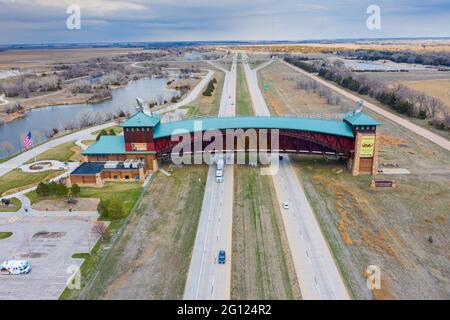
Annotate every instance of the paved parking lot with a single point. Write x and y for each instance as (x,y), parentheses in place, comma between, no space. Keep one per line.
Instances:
(47,241)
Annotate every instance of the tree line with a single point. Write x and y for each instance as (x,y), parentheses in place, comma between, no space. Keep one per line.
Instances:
(426,58)
(397,96)
(210,87)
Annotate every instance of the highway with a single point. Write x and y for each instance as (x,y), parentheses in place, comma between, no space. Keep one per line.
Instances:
(427,134)
(208,280)
(316,270)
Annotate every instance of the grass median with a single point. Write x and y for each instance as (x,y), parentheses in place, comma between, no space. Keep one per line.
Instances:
(262,266)
(244,105)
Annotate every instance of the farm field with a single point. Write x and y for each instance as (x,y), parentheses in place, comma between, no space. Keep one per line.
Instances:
(388,228)
(388,45)
(438,88)
(413,75)
(28,58)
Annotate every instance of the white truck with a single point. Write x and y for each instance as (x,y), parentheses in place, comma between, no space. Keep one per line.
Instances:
(219,169)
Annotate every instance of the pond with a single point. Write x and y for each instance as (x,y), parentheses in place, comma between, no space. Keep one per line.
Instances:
(41,120)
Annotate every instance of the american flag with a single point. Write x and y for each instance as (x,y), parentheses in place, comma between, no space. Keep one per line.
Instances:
(28,141)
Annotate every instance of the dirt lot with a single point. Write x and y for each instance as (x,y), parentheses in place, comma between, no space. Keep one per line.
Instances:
(151,260)
(62,205)
(284,98)
(262,263)
(388,228)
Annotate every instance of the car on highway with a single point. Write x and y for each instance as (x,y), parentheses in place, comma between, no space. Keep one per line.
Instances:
(221,259)
(15,267)
(285,205)
(219,179)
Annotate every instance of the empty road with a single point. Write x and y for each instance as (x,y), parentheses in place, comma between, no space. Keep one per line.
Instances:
(208,280)
(316,270)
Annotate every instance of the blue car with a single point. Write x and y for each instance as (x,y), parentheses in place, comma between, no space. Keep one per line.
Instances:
(221,259)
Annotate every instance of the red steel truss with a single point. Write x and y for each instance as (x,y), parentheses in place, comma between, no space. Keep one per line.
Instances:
(290,141)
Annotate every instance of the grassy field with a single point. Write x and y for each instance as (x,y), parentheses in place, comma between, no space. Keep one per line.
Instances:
(243,102)
(127,193)
(388,228)
(68,151)
(13,207)
(16,180)
(262,263)
(5,235)
(152,257)
(207,106)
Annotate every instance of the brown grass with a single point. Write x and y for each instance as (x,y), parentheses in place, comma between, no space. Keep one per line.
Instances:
(438,88)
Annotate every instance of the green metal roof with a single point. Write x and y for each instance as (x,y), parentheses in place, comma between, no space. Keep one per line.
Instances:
(333,127)
(360,119)
(141,119)
(116,144)
(107,145)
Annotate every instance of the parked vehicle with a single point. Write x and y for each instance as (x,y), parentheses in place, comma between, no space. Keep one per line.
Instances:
(285,205)
(221,259)
(15,267)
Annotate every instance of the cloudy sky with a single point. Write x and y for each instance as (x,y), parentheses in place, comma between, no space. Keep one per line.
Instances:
(44,21)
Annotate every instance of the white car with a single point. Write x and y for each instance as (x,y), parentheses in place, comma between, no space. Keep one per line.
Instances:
(285,205)
(15,267)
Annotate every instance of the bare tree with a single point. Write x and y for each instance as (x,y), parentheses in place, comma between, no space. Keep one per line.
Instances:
(85,118)
(101,229)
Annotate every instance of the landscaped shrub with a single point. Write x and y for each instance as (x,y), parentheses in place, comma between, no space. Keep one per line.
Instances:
(52,189)
(111,209)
